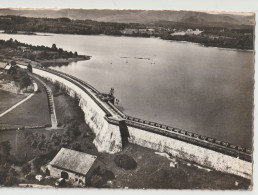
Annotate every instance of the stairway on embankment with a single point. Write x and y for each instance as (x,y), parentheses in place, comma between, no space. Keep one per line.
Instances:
(51,104)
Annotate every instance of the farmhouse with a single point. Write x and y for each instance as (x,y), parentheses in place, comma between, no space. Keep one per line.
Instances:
(71,165)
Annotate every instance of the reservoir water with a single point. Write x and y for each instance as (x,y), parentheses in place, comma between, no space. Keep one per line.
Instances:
(199,89)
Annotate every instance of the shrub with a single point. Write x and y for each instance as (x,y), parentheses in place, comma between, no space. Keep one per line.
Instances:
(126,162)
(26,168)
(30,176)
(101,176)
(10,178)
(76,146)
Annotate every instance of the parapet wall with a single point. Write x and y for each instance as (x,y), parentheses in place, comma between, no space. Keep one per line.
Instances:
(105,120)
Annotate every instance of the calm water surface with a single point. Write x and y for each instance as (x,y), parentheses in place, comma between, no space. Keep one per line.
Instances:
(204,90)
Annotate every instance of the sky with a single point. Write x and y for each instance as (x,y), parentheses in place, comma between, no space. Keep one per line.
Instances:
(226,5)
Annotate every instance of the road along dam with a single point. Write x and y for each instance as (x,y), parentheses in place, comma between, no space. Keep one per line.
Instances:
(113,129)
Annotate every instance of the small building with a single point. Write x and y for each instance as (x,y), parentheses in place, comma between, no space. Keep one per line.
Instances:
(24,49)
(142,30)
(150,31)
(71,165)
(130,31)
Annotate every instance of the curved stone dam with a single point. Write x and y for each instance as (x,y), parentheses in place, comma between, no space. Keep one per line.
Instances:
(113,129)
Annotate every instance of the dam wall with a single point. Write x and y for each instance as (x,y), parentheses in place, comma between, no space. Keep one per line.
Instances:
(113,129)
(93,112)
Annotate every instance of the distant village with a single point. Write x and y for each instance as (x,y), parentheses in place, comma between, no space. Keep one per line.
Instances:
(152,31)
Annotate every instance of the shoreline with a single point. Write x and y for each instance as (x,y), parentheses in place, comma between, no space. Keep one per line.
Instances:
(41,56)
(200,44)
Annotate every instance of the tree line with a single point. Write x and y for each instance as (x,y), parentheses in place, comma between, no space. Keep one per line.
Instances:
(240,37)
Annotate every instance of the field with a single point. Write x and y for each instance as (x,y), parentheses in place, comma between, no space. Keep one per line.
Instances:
(8,99)
(32,112)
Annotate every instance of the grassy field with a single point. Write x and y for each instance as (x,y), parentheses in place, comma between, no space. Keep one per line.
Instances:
(32,112)
(8,99)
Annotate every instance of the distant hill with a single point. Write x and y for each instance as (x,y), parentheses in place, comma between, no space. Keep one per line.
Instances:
(139,16)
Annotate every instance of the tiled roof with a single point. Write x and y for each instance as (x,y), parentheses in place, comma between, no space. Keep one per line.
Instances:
(73,161)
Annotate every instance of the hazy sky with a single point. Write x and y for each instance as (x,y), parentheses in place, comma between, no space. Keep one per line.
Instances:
(233,5)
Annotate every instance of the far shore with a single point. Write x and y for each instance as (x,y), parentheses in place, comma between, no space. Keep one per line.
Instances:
(171,40)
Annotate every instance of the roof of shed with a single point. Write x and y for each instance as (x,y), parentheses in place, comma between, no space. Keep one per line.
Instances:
(73,161)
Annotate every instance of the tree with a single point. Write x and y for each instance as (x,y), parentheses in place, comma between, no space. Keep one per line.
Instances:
(12,71)
(29,68)
(11,179)
(25,82)
(31,57)
(26,168)
(13,63)
(124,161)
(76,146)
(40,145)
(54,47)
(5,156)
(3,173)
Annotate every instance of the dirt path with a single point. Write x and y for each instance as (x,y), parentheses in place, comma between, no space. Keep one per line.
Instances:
(22,101)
